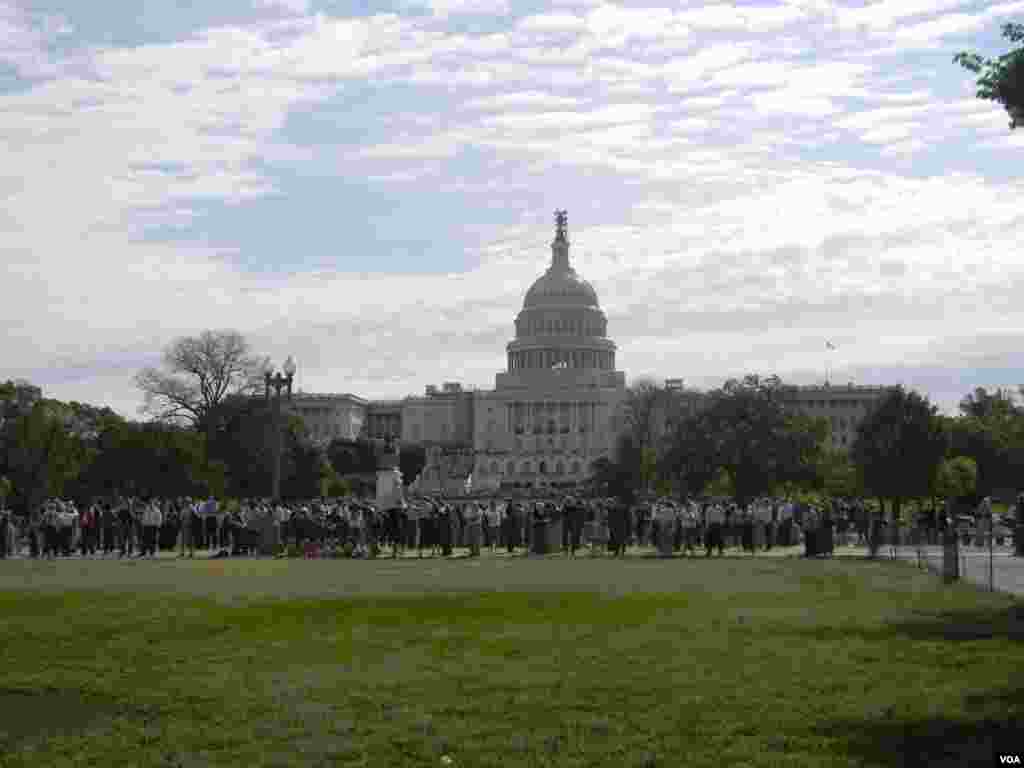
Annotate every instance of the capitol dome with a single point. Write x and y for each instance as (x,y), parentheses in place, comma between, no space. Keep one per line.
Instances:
(560,287)
(561,324)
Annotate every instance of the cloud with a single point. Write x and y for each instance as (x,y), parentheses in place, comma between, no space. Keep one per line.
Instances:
(724,190)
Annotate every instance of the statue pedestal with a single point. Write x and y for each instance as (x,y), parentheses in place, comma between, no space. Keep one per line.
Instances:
(389,487)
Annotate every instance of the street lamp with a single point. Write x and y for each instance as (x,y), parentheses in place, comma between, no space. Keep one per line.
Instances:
(278,382)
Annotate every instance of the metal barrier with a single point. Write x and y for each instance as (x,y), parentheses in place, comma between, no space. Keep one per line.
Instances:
(982,561)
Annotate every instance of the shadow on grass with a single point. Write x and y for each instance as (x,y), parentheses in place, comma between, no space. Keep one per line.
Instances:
(33,716)
(996,726)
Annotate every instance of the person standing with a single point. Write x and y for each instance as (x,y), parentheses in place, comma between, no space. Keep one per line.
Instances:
(509,525)
(444,529)
(472,528)
(715,536)
(5,538)
(88,523)
(152,518)
(188,520)
(494,517)
(747,533)
(575,514)
(126,527)
(620,526)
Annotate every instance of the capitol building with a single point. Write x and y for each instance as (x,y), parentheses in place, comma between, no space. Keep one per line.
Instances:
(554,410)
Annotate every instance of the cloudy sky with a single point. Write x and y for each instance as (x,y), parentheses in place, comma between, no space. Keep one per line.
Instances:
(370,187)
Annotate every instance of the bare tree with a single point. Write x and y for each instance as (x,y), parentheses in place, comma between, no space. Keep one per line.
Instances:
(199,373)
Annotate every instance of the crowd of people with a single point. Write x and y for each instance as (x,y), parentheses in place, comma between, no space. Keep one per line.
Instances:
(142,527)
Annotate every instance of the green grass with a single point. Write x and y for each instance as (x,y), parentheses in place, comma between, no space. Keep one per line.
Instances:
(503,663)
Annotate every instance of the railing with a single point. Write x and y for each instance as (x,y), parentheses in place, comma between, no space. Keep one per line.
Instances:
(979,557)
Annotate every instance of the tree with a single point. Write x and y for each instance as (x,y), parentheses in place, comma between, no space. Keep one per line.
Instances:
(688,459)
(199,373)
(990,430)
(899,446)
(619,476)
(956,477)
(1002,79)
(40,453)
(836,474)
(756,441)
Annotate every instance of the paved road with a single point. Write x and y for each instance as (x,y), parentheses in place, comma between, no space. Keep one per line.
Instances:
(1007,570)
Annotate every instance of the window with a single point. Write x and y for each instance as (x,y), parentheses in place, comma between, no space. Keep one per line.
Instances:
(575,467)
(494,467)
(559,468)
(542,467)
(527,468)
(510,468)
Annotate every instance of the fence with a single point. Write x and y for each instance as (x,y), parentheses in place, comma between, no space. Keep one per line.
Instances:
(980,557)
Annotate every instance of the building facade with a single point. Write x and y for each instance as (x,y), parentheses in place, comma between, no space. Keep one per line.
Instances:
(330,416)
(844,407)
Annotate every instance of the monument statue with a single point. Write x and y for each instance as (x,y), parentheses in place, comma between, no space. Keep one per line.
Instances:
(561,224)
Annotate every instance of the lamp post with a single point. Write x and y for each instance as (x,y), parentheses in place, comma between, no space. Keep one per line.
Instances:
(278,382)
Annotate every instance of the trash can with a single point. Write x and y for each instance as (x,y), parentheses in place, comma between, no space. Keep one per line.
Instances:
(665,531)
(826,541)
(810,542)
(540,538)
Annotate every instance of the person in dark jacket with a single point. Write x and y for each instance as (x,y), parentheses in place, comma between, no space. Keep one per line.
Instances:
(747,533)
(575,516)
(618,523)
(126,525)
(444,530)
(509,523)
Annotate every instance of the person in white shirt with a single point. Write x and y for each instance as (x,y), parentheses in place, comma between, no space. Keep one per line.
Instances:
(492,515)
(152,519)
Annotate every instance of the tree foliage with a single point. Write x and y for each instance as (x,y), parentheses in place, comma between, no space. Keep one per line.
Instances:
(756,440)
(956,477)
(899,446)
(198,374)
(1001,79)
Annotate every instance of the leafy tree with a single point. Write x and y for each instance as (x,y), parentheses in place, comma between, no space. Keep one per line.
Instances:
(837,474)
(689,459)
(956,477)
(1001,79)
(349,457)
(199,373)
(40,453)
(756,440)
(619,475)
(899,446)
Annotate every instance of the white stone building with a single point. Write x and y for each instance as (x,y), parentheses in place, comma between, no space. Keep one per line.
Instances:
(330,416)
(559,403)
(844,407)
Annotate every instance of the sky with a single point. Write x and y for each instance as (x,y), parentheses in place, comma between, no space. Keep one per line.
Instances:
(370,187)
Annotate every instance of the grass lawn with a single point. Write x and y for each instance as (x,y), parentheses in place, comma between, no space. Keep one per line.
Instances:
(503,662)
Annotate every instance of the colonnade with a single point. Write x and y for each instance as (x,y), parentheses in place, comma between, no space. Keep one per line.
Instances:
(570,358)
(553,417)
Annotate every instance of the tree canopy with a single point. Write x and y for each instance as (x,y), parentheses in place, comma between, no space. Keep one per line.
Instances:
(198,374)
(1001,79)
(899,446)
